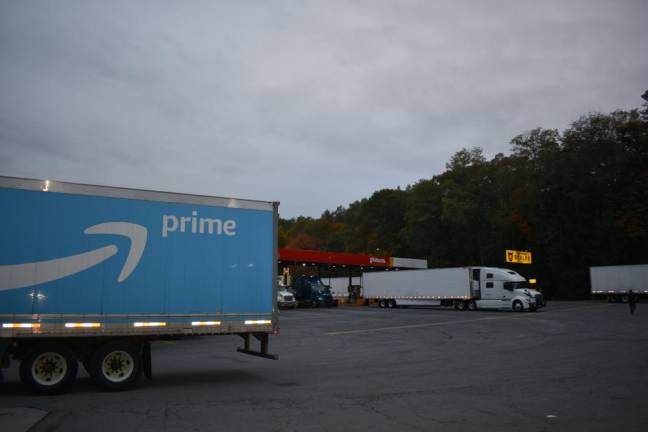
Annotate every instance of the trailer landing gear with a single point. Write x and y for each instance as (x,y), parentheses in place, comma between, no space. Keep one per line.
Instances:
(263,340)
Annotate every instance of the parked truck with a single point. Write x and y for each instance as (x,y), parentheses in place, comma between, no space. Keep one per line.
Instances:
(465,288)
(615,282)
(311,291)
(285,297)
(94,274)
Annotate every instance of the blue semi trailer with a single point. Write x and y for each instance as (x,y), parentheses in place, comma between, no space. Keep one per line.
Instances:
(94,274)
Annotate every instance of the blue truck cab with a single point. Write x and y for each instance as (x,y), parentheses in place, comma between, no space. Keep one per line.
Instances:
(311,291)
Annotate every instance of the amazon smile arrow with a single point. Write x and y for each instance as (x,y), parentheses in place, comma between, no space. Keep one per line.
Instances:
(23,275)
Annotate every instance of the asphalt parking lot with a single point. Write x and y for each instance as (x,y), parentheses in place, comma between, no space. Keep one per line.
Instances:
(572,366)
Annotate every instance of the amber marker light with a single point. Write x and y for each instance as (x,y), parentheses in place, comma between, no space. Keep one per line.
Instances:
(21,325)
(149,324)
(83,325)
(205,323)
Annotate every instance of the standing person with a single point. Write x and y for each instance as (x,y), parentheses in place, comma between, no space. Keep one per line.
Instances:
(632,301)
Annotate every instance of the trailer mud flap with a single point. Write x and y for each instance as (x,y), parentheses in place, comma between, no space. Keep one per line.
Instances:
(4,357)
(147,364)
(4,353)
(263,340)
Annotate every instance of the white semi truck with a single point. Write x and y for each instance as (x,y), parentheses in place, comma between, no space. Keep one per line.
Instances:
(465,288)
(615,282)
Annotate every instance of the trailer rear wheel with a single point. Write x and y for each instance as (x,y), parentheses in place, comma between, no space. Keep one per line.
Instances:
(48,368)
(116,365)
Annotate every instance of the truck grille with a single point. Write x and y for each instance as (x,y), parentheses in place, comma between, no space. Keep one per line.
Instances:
(288,298)
(539,300)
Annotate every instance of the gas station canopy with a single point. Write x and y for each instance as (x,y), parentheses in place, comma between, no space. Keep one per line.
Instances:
(347,259)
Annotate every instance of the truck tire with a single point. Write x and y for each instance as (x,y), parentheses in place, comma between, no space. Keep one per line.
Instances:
(381,303)
(391,303)
(116,365)
(462,305)
(518,306)
(472,306)
(48,368)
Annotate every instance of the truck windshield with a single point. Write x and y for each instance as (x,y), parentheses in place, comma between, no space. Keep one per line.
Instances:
(516,285)
(317,285)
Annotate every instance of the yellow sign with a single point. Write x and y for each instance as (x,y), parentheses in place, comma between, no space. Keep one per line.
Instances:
(519,257)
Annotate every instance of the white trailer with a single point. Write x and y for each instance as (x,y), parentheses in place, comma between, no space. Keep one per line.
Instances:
(615,282)
(340,285)
(465,288)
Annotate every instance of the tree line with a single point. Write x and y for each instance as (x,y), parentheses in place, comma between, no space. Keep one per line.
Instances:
(574,199)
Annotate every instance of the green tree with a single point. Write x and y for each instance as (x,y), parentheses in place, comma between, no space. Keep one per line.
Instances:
(575,199)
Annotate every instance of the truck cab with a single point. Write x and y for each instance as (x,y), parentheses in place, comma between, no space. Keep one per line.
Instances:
(498,288)
(285,296)
(311,291)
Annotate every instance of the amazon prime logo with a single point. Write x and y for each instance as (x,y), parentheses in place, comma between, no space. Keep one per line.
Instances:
(23,275)
(197,225)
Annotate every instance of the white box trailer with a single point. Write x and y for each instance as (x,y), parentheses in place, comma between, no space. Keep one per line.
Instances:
(615,282)
(340,285)
(466,288)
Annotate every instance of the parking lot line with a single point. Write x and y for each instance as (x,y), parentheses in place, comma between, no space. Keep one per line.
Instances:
(345,332)
(442,323)
(578,308)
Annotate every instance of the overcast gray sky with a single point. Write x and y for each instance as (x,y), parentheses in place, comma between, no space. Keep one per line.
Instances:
(312,103)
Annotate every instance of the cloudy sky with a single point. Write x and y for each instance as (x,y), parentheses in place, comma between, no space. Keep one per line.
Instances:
(312,103)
